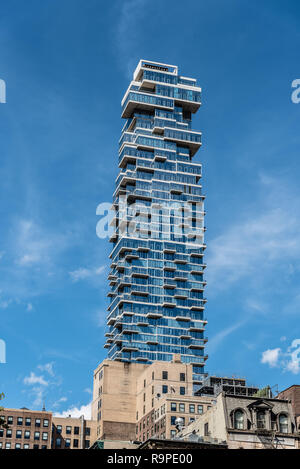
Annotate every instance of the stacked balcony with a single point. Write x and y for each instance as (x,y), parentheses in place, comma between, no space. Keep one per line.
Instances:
(156,298)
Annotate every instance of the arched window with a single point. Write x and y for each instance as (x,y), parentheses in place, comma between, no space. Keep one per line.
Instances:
(283,423)
(261,419)
(239,420)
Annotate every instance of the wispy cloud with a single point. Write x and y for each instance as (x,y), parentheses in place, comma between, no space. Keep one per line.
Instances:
(217,339)
(130,15)
(253,244)
(34,379)
(48,367)
(39,386)
(34,245)
(59,402)
(33,260)
(84,273)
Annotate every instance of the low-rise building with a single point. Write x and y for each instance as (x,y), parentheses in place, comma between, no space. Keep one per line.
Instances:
(246,422)
(134,401)
(32,429)
(292,394)
(73,433)
(26,429)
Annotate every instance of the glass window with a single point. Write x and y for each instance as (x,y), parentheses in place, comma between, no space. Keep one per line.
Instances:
(173,419)
(8,433)
(182,376)
(87,444)
(37,422)
(182,390)
(165,389)
(164,375)
(58,442)
(18,446)
(67,443)
(76,430)
(173,406)
(26,446)
(28,421)
(192,408)
(46,423)
(10,420)
(36,435)
(75,443)
(27,434)
(261,419)
(19,434)
(181,407)
(239,420)
(20,421)
(58,428)
(200,409)
(7,445)
(36,447)
(283,423)
(45,436)
(206,431)
(68,430)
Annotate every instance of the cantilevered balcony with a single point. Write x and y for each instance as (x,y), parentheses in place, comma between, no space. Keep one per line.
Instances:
(136,100)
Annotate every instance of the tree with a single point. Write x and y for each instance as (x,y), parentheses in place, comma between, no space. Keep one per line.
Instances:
(3,423)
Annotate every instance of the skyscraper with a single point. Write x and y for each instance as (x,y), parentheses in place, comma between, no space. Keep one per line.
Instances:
(156,276)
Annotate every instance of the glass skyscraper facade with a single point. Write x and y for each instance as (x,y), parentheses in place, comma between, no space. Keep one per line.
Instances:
(156,280)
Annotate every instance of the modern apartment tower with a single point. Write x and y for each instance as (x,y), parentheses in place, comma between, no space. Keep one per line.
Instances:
(156,298)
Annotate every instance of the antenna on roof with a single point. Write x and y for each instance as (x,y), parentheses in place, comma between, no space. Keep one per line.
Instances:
(44,408)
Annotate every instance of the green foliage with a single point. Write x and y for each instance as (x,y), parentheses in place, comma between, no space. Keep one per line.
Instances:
(264,392)
(3,423)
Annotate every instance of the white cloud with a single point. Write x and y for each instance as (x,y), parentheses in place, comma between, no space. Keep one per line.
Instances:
(29,307)
(48,367)
(60,401)
(76,412)
(34,379)
(88,390)
(83,273)
(293,362)
(271,357)
(287,361)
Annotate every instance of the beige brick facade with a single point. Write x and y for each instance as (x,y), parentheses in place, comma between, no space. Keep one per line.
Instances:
(133,401)
(27,429)
(73,433)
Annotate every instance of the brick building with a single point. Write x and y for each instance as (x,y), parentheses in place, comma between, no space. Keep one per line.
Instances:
(73,433)
(292,394)
(27,429)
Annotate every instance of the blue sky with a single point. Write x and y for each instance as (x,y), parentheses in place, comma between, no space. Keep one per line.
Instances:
(66,65)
